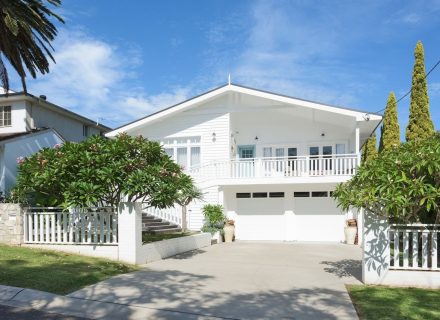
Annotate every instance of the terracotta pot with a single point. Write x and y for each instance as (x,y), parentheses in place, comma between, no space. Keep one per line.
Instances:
(229,232)
(350,234)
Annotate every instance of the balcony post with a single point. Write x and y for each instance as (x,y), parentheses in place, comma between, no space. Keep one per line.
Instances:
(258,167)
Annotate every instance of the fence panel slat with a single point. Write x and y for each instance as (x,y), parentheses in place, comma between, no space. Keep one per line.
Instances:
(415,250)
(424,250)
(405,248)
(41,228)
(434,242)
(396,249)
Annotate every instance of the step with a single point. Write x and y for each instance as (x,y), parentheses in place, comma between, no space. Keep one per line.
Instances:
(168,230)
(154,228)
(152,220)
(153,224)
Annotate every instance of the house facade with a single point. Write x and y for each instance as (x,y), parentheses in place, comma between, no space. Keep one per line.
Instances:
(271,160)
(29,123)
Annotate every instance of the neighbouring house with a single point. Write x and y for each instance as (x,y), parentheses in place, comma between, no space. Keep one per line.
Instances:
(271,160)
(29,123)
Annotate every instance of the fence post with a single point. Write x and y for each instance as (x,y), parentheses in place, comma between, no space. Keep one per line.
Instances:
(130,232)
(376,248)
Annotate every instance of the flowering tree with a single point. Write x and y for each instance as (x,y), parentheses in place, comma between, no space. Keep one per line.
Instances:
(402,184)
(99,171)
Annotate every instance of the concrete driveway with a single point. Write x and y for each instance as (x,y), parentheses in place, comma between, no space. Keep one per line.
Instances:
(241,280)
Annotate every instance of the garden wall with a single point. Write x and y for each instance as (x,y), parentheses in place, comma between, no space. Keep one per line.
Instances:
(11,223)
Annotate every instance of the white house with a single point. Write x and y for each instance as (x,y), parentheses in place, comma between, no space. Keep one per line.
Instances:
(271,160)
(29,123)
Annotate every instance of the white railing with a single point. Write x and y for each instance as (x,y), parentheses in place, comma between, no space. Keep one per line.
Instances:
(85,226)
(172,214)
(414,247)
(301,166)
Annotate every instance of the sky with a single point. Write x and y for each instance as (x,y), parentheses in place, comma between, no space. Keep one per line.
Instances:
(117,61)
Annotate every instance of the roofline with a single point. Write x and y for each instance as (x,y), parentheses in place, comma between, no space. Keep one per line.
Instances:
(242,87)
(30,134)
(53,105)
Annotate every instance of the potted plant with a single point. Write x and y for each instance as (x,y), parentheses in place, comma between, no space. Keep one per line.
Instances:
(229,230)
(350,231)
(214,221)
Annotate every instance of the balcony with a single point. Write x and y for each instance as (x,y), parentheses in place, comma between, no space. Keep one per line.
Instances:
(285,167)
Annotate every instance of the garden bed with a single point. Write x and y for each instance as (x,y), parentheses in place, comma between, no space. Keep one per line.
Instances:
(148,237)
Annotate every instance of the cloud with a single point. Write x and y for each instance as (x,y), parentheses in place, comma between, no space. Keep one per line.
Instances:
(95,79)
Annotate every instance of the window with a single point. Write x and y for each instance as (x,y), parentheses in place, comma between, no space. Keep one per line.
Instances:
(276,194)
(259,195)
(85,130)
(246,152)
(301,194)
(279,152)
(242,195)
(292,152)
(319,194)
(267,152)
(5,116)
(185,151)
(331,193)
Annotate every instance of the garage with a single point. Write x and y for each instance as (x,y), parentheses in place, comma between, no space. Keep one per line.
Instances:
(260,216)
(287,216)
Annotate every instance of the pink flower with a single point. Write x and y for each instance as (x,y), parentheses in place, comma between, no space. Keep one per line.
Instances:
(20,160)
(58,145)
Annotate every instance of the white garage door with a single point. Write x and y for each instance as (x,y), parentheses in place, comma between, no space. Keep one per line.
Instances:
(260,219)
(318,219)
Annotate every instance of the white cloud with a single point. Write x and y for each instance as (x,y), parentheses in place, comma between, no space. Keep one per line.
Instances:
(94,78)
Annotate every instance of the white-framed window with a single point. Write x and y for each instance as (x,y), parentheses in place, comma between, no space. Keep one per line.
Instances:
(85,130)
(185,151)
(5,116)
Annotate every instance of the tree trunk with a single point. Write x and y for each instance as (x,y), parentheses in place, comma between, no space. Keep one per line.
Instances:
(184,223)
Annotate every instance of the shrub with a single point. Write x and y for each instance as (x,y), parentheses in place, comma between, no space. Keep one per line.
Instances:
(214,218)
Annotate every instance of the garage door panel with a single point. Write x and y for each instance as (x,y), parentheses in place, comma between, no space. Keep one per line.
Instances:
(318,219)
(260,219)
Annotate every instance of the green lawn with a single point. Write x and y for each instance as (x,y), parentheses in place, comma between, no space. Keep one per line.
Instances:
(52,271)
(377,302)
(148,237)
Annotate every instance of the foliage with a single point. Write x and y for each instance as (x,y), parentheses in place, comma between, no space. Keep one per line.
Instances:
(390,133)
(55,272)
(369,150)
(376,302)
(214,218)
(148,237)
(26,34)
(99,171)
(420,125)
(402,184)
(185,195)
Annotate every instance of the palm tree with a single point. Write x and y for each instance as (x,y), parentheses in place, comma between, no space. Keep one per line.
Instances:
(188,193)
(26,32)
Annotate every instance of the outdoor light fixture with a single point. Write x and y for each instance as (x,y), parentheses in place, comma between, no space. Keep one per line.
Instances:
(323,134)
(213,137)
(256,137)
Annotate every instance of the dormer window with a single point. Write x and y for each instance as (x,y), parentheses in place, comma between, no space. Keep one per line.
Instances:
(5,116)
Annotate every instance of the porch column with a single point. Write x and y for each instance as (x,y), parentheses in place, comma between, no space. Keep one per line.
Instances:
(357,139)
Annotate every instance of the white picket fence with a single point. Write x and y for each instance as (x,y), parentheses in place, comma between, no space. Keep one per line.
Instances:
(414,247)
(85,226)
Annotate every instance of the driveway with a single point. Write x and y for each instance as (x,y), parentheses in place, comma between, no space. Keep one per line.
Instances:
(241,280)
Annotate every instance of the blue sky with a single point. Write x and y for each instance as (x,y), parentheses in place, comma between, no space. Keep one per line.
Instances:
(120,60)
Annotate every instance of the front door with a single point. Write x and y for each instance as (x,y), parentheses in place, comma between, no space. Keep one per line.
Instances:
(245,166)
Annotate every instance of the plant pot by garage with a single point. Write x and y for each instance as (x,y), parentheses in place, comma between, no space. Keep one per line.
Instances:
(217,236)
(350,234)
(229,230)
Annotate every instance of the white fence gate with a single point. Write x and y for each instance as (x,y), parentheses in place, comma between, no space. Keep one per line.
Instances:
(85,226)
(414,247)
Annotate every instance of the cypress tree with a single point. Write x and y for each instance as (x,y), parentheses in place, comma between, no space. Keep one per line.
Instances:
(390,131)
(369,150)
(420,125)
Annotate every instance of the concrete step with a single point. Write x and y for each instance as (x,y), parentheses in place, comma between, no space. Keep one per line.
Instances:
(169,226)
(152,220)
(153,224)
(167,230)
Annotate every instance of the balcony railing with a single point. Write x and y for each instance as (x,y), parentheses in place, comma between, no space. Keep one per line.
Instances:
(301,166)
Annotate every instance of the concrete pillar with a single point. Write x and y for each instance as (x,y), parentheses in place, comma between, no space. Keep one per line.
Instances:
(376,248)
(130,232)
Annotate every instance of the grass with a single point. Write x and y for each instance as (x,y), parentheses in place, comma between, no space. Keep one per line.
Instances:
(52,271)
(378,302)
(148,237)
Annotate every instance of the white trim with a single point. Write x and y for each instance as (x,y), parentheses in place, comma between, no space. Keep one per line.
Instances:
(359,115)
(32,134)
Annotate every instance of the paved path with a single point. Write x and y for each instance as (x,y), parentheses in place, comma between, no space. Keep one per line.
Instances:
(242,280)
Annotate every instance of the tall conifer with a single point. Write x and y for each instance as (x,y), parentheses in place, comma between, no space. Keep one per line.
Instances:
(369,150)
(420,125)
(390,131)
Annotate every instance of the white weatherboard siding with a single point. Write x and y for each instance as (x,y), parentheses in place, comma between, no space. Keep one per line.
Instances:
(18,117)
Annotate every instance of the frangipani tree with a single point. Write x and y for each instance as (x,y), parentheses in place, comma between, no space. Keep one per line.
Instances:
(186,194)
(99,171)
(402,184)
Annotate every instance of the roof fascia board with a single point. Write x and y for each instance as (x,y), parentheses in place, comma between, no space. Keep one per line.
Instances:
(169,111)
(30,135)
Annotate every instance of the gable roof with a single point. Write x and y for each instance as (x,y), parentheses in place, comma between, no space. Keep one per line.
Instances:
(15,96)
(358,114)
(9,137)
